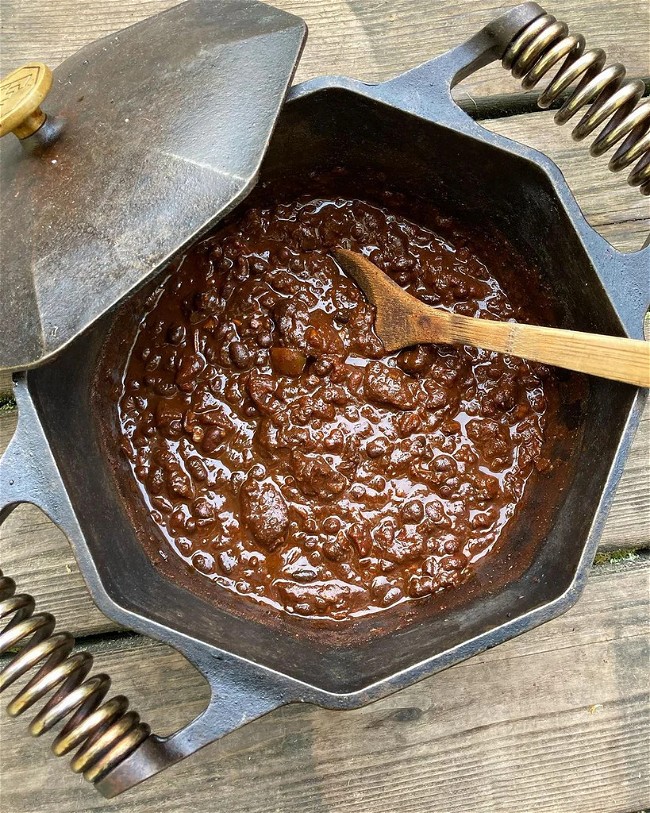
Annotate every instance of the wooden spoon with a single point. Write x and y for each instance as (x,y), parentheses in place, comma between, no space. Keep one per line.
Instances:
(402,320)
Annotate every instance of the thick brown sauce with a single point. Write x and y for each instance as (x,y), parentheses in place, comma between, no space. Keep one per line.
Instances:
(284,455)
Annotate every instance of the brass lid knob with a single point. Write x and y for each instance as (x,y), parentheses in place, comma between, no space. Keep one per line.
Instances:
(21,93)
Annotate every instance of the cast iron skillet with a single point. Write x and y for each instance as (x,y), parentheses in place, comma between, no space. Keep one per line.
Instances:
(411,128)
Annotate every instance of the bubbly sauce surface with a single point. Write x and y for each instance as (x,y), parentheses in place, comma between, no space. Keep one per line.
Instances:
(286,456)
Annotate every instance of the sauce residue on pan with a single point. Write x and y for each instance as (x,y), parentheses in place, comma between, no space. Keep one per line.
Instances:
(284,454)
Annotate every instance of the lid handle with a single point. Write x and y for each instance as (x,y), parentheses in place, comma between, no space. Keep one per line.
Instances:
(21,94)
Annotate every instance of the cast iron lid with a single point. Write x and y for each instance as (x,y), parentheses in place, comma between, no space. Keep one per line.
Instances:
(152,135)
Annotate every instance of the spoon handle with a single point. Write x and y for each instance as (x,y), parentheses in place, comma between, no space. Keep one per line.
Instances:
(611,357)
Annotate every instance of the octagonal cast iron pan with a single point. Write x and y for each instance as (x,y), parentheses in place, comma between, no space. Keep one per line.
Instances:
(251,667)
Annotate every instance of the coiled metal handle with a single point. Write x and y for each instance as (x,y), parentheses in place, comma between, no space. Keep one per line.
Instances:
(613,102)
(104,734)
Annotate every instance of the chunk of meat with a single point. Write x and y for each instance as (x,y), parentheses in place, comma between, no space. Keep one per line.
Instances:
(261,389)
(264,512)
(316,477)
(389,386)
(322,338)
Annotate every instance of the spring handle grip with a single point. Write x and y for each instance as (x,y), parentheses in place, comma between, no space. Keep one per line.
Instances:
(102,733)
(613,102)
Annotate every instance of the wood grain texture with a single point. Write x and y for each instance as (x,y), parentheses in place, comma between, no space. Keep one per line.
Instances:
(5,383)
(369,39)
(556,720)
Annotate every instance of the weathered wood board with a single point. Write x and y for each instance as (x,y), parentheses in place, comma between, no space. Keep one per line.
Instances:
(556,720)
(369,39)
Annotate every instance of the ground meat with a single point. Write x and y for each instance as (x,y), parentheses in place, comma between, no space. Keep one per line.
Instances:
(284,455)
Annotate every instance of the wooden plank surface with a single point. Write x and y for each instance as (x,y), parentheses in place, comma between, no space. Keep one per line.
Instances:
(556,720)
(369,39)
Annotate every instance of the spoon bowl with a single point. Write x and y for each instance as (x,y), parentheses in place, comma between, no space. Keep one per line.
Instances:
(401,320)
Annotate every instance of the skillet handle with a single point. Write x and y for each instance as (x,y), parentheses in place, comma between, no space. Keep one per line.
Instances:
(126,752)
(531,43)
(101,733)
(426,89)
(239,696)
(520,38)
